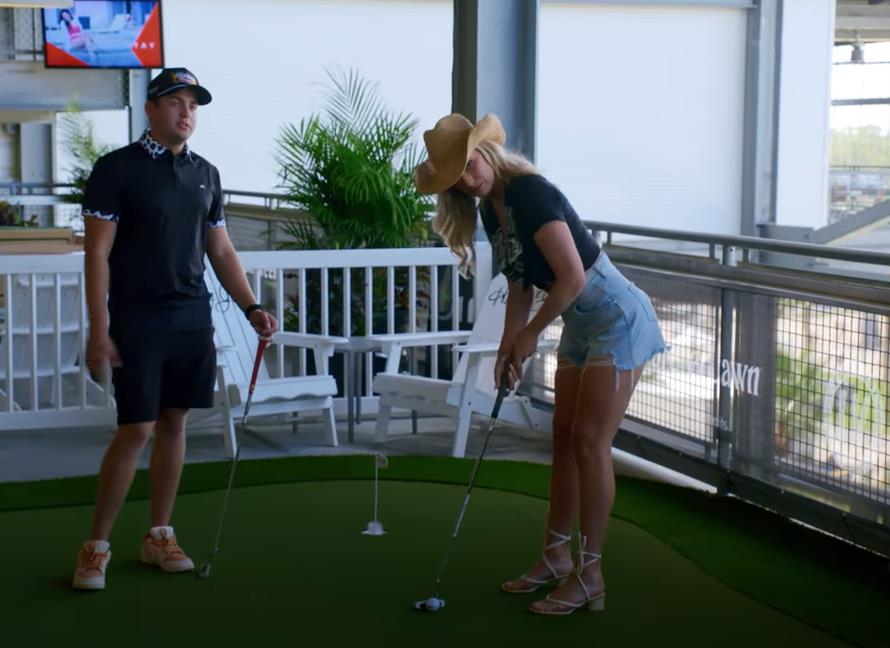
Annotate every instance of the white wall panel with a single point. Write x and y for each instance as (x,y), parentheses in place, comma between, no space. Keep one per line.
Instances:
(263,61)
(804,104)
(8,164)
(641,112)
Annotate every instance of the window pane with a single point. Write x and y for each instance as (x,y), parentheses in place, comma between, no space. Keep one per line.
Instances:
(869,79)
(641,112)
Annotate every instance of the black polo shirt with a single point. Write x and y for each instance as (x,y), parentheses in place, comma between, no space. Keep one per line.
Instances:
(163,205)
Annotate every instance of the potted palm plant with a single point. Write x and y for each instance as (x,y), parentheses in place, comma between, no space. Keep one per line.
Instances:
(349,170)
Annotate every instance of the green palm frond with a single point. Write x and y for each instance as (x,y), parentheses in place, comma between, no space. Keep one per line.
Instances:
(351,168)
(80,142)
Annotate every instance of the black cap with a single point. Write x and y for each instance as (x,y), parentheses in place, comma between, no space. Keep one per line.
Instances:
(173,79)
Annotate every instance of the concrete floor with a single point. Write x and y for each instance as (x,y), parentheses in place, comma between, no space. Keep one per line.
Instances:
(46,454)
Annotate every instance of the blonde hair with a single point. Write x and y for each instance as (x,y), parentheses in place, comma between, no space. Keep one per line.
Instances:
(456,211)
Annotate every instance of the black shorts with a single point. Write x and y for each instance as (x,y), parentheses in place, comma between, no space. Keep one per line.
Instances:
(159,370)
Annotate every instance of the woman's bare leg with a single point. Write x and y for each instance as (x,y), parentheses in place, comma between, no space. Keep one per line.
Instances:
(602,401)
(563,480)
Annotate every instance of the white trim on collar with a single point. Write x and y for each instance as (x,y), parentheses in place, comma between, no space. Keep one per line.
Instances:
(155,149)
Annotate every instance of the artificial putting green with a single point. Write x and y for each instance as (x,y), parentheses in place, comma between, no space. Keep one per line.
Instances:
(294,567)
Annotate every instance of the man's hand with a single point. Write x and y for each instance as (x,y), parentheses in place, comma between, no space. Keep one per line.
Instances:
(101,354)
(263,323)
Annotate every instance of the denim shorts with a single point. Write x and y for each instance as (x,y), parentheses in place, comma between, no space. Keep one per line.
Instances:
(610,317)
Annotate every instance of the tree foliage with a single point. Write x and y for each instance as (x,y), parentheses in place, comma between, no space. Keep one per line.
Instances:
(860,146)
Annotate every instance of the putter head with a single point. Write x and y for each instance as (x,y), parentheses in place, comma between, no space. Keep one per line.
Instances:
(204,572)
(432,604)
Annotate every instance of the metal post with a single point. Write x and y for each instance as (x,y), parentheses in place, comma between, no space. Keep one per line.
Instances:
(755,407)
(495,65)
(723,429)
(137,95)
(349,390)
(762,70)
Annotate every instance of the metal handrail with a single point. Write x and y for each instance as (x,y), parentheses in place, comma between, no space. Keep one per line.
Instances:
(726,240)
(255,194)
(746,242)
(18,188)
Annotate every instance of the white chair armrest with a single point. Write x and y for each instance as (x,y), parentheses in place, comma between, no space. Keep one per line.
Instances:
(288,338)
(419,339)
(489,348)
(323,346)
(482,348)
(391,345)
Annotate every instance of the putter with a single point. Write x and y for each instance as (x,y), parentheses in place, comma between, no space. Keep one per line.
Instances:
(435,603)
(204,571)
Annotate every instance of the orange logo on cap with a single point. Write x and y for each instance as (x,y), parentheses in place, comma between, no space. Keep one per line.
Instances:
(181,77)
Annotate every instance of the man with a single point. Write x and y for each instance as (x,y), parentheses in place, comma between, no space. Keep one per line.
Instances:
(151,211)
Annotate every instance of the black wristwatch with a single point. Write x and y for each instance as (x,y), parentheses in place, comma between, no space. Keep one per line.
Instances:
(250,309)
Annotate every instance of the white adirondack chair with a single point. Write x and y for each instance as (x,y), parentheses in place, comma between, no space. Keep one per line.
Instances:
(471,390)
(236,344)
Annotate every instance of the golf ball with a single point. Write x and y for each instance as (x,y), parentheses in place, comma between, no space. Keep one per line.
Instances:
(431,604)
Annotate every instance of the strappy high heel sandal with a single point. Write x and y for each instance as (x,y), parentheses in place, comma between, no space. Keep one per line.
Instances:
(596,602)
(536,583)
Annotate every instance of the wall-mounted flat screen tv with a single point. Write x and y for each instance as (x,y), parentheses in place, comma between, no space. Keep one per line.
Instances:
(104,34)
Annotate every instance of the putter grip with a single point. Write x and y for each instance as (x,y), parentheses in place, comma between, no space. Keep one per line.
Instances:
(502,392)
(256,364)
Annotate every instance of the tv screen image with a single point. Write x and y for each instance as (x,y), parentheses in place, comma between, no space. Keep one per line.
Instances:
(104,34)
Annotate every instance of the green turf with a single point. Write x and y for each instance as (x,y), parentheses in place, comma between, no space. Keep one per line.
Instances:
(310,538)
(289,585)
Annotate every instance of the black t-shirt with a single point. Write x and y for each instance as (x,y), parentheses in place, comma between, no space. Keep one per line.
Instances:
(532,202)
(163,205)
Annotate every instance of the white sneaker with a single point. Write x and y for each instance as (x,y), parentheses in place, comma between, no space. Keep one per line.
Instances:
(159,548)
(92,559)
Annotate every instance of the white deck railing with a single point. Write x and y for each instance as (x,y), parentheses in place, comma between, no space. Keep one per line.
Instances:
(43,329)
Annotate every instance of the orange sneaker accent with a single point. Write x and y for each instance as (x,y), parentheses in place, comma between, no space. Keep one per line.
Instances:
(159,547)
(91,565)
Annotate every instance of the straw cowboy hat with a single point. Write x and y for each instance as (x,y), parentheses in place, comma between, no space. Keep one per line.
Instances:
(449,146)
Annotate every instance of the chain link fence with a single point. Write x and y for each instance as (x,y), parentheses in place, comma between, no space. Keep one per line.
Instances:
(775,377)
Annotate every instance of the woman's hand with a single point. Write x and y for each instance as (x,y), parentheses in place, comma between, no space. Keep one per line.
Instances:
(525,344)
(511,358)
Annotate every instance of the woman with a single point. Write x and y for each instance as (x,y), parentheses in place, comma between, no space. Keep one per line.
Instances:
(77,36)
(610,331)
